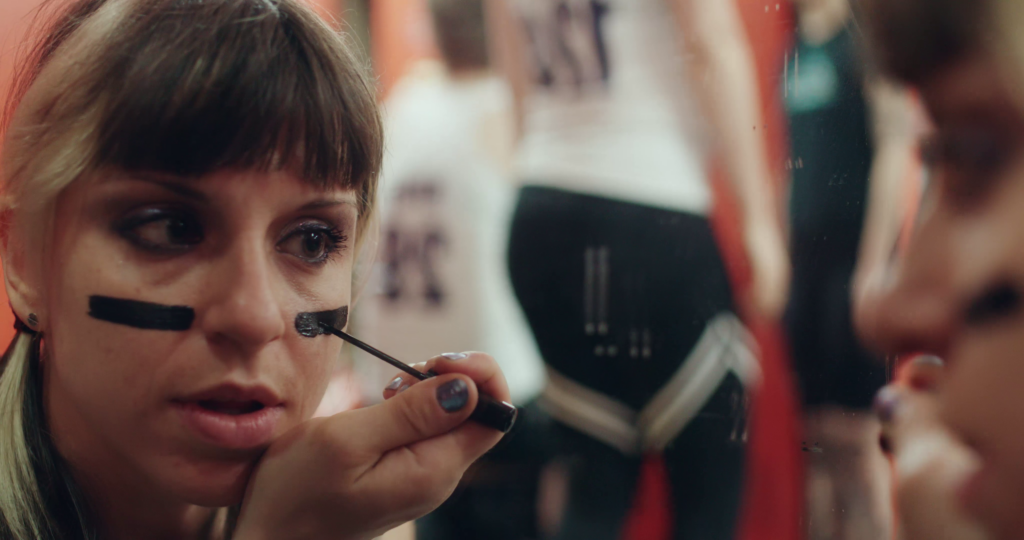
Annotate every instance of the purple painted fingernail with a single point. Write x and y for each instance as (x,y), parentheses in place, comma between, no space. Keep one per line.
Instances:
(394,384)
(887,401)
(403,388)
(453,395)
(455,356)
(928,360)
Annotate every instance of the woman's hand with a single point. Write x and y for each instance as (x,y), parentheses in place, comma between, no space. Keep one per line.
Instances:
(929,462)
(769,265)
(357,474)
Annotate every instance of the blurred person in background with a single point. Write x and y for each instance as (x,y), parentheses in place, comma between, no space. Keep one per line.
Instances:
(441,279)
(613,258)
(852,144)
(957,292)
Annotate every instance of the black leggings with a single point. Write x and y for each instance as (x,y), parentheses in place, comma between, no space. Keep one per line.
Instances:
(617,294)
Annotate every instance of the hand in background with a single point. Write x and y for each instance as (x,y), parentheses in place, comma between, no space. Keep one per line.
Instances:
(770,269)
(930,464)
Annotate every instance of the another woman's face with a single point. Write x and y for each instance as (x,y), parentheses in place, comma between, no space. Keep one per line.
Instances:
(188,412)
(959,290)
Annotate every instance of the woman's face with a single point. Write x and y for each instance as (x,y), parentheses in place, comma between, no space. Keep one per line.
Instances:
(187,413)
(959,290)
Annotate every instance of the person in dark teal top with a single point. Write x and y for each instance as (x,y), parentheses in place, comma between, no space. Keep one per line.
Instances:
(832,151)
(851,150)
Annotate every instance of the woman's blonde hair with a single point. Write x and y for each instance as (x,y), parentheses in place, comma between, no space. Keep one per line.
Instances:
(182,87)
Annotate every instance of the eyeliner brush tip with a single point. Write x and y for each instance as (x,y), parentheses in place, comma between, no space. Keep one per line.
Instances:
(307,325)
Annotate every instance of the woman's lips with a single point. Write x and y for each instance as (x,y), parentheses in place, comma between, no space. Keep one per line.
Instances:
(231,430)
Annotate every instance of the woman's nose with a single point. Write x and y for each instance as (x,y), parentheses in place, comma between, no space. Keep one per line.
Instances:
(243,310)
(915,309)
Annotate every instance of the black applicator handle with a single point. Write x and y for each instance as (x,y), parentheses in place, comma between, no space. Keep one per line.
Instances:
(499,415)
(489,412)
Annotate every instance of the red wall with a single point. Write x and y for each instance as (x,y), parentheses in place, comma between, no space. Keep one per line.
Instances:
(402,34)
(14,18)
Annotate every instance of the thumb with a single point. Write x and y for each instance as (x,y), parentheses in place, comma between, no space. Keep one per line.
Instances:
(427,409)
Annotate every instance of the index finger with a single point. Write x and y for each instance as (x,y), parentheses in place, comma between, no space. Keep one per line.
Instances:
(479,367)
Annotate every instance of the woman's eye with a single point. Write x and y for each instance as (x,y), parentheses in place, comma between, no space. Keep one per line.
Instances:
(969,161)
(158,229)
(313,243)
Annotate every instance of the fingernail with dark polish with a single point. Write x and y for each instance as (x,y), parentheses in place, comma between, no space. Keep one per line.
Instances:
(393,385)
(928,360)
(455,355)
(453,395)
(886,402)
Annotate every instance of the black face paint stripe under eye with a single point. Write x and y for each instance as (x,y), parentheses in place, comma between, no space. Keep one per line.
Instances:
(144,315)
(308,324)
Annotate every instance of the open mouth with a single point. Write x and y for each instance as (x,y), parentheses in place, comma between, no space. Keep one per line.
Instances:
(229,407)
(233,416)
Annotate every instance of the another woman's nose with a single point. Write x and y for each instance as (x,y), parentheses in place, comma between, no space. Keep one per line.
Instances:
(916,308)
(243,310)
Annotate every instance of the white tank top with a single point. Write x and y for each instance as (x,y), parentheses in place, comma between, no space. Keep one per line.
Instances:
(609,111)
(446,201)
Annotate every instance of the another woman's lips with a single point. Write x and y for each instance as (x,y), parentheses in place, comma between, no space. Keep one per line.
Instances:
(232,431)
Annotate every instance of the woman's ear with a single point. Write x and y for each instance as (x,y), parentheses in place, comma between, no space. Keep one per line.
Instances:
(21,278)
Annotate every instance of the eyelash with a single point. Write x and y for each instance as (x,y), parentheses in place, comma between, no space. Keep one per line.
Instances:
(337,240)
(129,226)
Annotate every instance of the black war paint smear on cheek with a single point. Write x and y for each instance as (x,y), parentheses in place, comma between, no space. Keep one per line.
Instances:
(144,315)
(309,323)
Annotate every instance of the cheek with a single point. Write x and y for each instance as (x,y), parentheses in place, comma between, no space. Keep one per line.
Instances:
(983,402)
(316,361)
(110,369)
(999,219)
(116,368)
(121,373)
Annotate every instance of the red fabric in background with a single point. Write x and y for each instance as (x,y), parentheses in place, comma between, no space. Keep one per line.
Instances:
(651,516)
(774,492)
(402,34)
(15,16)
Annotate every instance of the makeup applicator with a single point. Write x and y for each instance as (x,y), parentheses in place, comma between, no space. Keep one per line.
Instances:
(489,412)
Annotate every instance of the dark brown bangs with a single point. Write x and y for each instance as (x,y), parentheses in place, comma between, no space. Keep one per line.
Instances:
(912,39)
(57,28)
(193,86)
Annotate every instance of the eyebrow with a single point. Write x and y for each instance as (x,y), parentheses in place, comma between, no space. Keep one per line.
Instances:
(174,187)
(198,196)
(327,203)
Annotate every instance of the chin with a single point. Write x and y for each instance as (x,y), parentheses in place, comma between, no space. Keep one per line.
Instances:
(1012,525)
(999,513)
(210,484)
